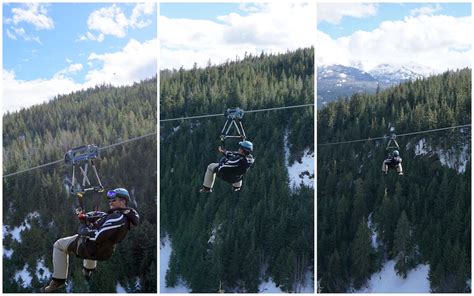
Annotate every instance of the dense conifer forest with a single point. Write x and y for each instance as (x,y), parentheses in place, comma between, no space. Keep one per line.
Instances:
(38,200)
(226,240)
(421,217)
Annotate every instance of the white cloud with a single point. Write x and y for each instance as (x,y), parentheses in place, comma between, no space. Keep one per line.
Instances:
(272,28)
(439,42)
(31,13)
(334,12)
(135,62)
(11,35)
(109,21)
(89,36)
(18,94)
(35,14)
(428,10)
(20,32)
(138,11)
(113,21)
(71,69)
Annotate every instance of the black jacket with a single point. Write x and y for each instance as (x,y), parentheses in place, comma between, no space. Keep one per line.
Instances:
(233,166)
(97,239)
(393,161)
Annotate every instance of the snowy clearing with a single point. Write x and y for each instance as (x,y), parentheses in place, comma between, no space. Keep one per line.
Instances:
(16,232)
(387,281)
(450,158)
(7,253)
(165,254)
(119,289)
(300,172)
(42,272)
(24,275)
(268,287)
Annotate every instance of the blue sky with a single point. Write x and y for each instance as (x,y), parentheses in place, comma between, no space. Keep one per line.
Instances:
(390,12)
(62,47)
(198,32)
(432,37)
(207,11)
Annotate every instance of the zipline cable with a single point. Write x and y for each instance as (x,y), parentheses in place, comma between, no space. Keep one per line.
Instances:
(400,135)
(61,160)
(249,111)
(153,133)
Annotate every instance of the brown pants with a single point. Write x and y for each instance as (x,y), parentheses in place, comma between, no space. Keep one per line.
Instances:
(61,258)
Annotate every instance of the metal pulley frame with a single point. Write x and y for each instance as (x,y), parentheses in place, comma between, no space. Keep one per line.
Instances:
(392,142)
(81,158)
(234,119)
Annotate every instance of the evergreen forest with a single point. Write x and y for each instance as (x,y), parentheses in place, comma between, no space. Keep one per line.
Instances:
(422,217)
(227,241)
(38,203)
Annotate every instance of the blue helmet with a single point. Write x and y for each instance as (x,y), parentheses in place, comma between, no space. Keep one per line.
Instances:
(247,146)
(118,192)
(396,153)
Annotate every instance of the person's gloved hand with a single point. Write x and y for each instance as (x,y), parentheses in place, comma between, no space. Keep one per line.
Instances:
(82,217)
(85,231)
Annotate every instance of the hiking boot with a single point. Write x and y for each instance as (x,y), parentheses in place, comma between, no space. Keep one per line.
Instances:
(87,273)
(205,189)
(236,189)
(54,285)
(400,174)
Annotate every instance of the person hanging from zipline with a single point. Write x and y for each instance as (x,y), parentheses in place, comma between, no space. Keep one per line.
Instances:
(231,168)
(394,161)
(97,235)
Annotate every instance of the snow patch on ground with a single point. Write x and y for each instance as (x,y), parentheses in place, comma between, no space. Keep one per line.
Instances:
(453,160)
(387,281)
(16,232)
(308,286)
(165,255)
(374,236)
(42,272)
(138,285)
(214,233)
(24,275)
(269,287)
(7,253)
(120,289)
(450,158)
(300,172)
(420,147)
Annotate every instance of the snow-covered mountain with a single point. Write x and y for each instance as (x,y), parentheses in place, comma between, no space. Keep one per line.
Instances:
(335,81)
(389,74)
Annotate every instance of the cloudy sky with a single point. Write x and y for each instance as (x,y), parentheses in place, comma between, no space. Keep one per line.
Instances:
(434,35)
(57,48)
(198,32)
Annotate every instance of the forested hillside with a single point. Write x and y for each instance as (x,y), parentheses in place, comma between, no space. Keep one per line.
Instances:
(226,240)
(37,209)
(421,217)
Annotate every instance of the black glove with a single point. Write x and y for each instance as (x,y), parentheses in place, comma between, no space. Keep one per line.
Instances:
(85,231)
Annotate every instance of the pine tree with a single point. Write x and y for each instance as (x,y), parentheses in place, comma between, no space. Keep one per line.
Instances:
(403,246)
(361,264)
